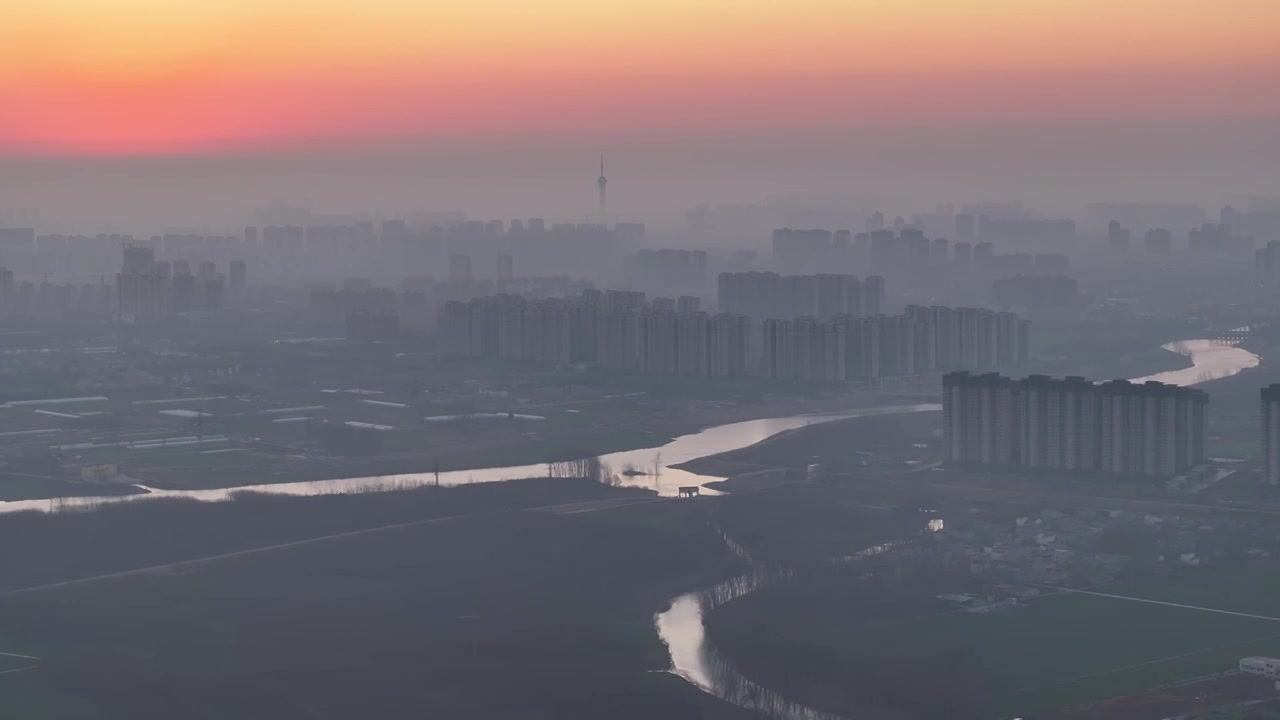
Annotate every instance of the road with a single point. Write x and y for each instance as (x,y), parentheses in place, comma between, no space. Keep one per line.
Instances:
(1042,498)
(574,508)
(1160,602)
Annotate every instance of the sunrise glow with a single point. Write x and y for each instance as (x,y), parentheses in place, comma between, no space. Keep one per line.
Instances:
(158,76)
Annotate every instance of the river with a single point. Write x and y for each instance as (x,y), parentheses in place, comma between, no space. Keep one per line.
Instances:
(713,440)
(681,627)
(1210,360)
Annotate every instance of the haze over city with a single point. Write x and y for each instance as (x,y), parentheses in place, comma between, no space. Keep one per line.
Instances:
(500,106)
(720,360)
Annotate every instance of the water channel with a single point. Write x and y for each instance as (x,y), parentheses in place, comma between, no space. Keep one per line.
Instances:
(696,660)
(1210,360)
(718,439)
(680,627)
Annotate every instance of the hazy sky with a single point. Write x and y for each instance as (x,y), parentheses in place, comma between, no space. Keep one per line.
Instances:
(757,95)
(129,76)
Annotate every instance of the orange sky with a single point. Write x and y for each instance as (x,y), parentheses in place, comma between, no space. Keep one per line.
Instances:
(163,76)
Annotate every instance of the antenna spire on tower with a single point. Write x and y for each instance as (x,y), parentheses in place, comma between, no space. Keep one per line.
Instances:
(602,182)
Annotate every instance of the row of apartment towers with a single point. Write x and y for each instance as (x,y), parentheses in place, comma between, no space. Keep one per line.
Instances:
(614,329)
(147,289)
(920,341)
(621,330)
(1116,427)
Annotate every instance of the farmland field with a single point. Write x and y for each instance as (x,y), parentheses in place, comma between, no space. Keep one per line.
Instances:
(1070,649)
(1059,650)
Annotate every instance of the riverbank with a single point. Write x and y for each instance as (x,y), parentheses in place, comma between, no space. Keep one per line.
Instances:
(858,443)
(553,606)
(17,487)
(665,481)
(1112,358)
(462,457)
(648,425)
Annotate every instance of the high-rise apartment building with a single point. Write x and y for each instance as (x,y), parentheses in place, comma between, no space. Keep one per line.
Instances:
(612,329)
(1271,435)
(1116,427)
(922,340)
(762,295)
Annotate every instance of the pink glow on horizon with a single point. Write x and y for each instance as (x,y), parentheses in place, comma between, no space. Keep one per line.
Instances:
(157,76)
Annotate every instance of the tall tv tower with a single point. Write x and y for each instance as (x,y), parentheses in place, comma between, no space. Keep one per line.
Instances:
(602,182)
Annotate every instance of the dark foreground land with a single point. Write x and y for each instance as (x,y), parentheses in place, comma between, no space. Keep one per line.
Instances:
(865,643)
(501,612)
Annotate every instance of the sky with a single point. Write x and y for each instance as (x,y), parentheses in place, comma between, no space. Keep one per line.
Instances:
(442,102)
(158,76)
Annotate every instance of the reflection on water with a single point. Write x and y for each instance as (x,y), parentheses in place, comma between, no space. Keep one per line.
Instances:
(1210,360)
(666,481)
(696,660)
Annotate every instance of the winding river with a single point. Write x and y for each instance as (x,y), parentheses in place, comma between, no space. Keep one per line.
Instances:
(696,660)
(680,627)
(1210,360)
(713,440)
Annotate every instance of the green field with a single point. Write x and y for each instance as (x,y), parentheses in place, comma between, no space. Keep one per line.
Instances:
(1068,649)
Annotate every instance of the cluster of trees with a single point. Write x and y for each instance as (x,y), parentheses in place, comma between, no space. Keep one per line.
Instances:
(590,468)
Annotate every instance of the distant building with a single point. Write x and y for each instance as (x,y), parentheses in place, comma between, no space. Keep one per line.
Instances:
(460,268)
(1218,238)
(1264,666)
(667,269)
(17,247)
(1117,236)
(1271,434)
(1266,263)
(1158,241)
(922,340)
(505,271)
(237,272)
(613,329)
(1028,231)
(1036,291)
(763,295)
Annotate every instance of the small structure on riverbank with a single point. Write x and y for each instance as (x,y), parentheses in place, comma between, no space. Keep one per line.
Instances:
(688,491)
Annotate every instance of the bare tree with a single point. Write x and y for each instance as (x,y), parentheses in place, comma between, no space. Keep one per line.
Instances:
(590,467)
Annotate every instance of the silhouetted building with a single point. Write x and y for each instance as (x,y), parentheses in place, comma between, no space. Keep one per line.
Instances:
(460,269)
(922,340)
(667,269)
(1117,236)
(1036,291)
(1266,263)
(614,329)
(505,271)
(1116,427)
(142,293)
(1026,231)
(965,228)
(237,274)
(762,295)
(1218,238)
(18,247)
(1271,434)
